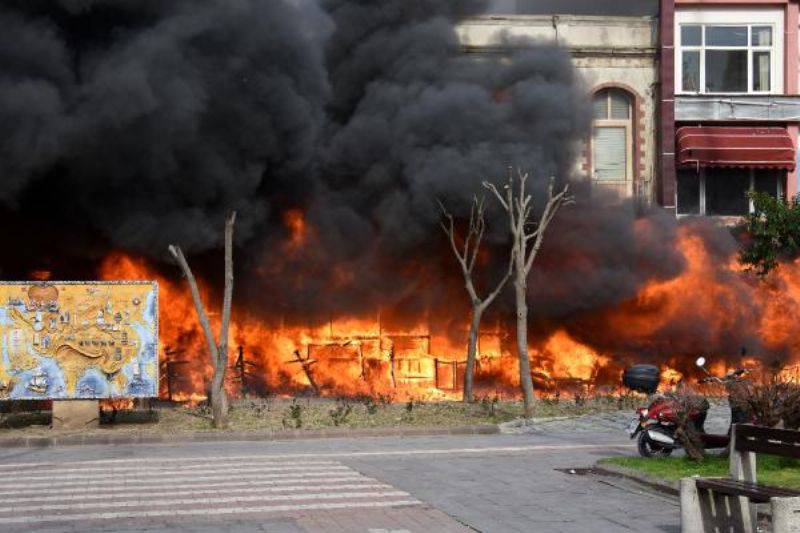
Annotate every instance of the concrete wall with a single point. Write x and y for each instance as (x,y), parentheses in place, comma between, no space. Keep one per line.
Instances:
(608,51)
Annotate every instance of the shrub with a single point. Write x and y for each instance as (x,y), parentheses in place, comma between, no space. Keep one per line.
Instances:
(489,406)
(687,405)
(773,232)
(340,413)
(762,403)
(790,412)
(370,405)
(295,413)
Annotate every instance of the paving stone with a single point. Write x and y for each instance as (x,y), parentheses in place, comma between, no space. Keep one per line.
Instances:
(493,483)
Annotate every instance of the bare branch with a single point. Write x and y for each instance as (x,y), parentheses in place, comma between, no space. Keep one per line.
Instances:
(450,231)
(477,228)
(491,187)
(227,292)
(177,253)
(554,204)
(471,248)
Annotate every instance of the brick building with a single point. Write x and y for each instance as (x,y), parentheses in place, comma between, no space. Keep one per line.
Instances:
(729,109)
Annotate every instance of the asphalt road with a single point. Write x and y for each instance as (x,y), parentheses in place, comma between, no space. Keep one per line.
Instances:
(496,483)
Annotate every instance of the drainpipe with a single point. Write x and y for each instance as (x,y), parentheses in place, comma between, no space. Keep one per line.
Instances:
(790,46)
(667,189)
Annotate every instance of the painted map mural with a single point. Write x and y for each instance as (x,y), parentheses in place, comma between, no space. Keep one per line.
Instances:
(71,340)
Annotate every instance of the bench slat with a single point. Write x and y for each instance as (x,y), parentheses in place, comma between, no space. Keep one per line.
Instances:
(780,442)
(755,492)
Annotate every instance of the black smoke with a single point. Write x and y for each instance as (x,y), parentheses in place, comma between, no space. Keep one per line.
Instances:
(133,124)
(413,119)
(136,124)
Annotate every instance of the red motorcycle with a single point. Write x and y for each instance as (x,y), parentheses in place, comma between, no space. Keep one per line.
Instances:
(655,425)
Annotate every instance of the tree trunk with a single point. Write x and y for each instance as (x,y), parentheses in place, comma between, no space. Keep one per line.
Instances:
(525,380)
(219,400)
(219,405)
(472,353)
(218,353)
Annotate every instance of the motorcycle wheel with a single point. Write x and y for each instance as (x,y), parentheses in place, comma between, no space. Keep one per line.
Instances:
(649,448)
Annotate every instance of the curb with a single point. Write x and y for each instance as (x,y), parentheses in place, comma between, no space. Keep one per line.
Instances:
(241,436)
(669,487)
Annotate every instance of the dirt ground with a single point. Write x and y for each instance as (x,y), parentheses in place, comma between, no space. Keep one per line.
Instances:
(276,414)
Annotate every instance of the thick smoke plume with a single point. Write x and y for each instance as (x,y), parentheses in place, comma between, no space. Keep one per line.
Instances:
(136,124)
(413,119)
(332,126)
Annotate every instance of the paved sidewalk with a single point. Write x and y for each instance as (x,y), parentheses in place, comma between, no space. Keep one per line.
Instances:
(616,422)
(299,495)
(494,483)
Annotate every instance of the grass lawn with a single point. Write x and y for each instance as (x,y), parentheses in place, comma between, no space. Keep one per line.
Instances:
(772,470)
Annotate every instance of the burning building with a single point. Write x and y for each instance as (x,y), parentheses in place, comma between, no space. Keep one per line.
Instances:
(332,127)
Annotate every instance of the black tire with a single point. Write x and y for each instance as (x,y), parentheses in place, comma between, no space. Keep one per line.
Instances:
(649,448)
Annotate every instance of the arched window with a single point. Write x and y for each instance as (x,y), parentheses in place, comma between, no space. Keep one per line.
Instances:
(612,136)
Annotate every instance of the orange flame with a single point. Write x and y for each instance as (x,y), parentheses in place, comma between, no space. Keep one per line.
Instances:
(361,355)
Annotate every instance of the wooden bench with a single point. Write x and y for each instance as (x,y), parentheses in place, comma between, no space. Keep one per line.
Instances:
(728,504)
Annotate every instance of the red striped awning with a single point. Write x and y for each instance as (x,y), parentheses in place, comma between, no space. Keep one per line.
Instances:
(718,146)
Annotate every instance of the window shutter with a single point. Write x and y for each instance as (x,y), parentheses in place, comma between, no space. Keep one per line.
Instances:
(600,106)
(620,106)
(609,153)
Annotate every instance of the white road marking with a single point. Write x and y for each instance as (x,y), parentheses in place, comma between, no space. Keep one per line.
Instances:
(139,481)
(248,490)
(227,485)
(208,511)
(205,501)
(167,472)
(166,489)
(335,455)
(146,467)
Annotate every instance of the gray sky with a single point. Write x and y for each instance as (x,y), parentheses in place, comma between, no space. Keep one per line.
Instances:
(574,7)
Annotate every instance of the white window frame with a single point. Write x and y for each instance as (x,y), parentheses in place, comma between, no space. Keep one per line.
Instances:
(627,125)
(701,184)
(727,17)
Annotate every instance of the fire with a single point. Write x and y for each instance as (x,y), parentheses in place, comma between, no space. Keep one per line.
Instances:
(670,377)
(572,359)
(295,223)
(718,311)
(117,404)
(40,275)
(670,322)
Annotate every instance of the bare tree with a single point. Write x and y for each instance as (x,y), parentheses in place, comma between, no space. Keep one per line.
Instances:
(218,351)
(527,237)
(466,255)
